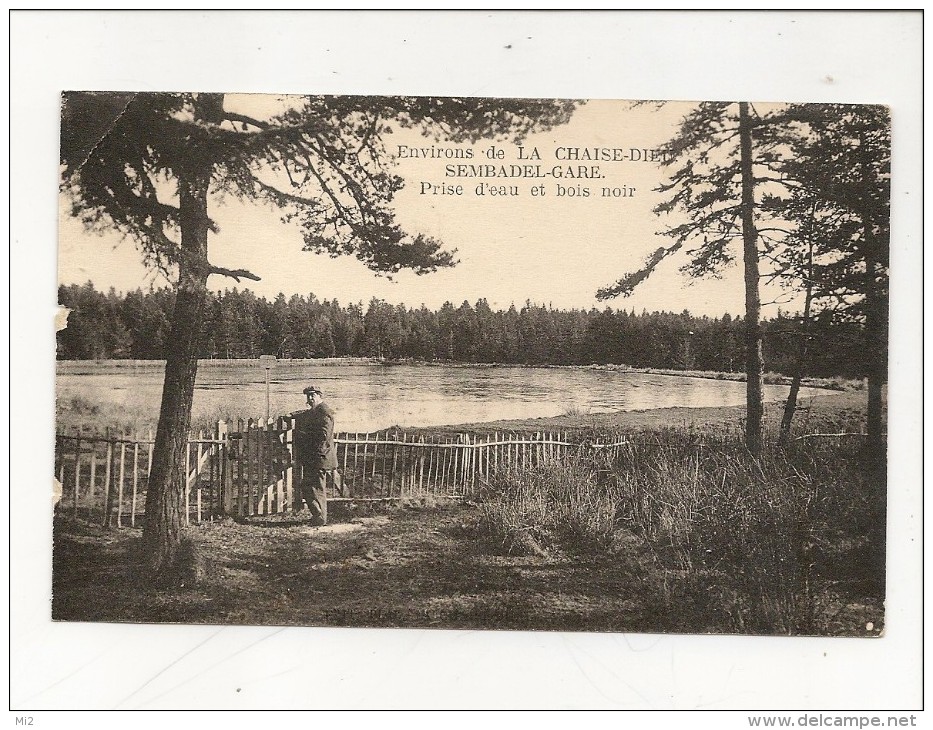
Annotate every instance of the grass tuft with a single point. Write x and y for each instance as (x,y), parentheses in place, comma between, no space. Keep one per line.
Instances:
(777,544)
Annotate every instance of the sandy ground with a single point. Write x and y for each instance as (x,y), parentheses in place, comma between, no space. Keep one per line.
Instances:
(412,567)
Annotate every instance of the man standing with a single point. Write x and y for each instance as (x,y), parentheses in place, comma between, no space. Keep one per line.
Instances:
(315,452)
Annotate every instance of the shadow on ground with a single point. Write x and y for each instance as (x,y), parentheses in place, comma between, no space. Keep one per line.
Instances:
(407,568)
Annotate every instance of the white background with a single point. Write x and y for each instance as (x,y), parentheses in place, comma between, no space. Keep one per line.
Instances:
(828,57)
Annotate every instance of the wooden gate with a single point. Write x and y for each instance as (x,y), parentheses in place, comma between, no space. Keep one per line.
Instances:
(262,477)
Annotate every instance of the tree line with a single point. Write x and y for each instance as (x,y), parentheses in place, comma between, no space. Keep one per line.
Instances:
(238,324)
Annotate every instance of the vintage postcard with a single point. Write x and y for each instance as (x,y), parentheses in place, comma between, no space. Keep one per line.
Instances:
(472,363)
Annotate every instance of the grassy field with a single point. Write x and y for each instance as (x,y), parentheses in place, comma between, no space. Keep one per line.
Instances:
(685,533)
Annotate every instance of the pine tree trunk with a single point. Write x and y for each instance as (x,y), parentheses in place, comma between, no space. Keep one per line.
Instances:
(754,364)
(165,498)
(876,325)
(790,407)
(876,331)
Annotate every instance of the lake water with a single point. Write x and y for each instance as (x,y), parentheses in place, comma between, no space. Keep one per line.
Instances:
(373,396)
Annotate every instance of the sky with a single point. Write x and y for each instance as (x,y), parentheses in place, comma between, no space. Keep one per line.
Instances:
(549,249)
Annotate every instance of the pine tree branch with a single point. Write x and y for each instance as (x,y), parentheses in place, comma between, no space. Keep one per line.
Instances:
(235,274)
(246,120)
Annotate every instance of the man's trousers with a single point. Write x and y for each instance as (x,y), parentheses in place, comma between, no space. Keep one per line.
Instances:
(313,490)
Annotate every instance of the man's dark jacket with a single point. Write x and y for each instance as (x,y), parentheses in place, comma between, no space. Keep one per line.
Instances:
(314,438)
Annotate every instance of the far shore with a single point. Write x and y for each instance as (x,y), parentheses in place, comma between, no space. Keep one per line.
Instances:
(717,417)
(833,383)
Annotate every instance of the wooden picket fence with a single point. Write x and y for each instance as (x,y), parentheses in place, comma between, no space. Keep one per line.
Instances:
(397,464)
(250,468)
(106,475)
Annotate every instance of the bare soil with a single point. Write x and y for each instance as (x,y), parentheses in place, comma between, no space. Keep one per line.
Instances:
(408,567)
(412,567)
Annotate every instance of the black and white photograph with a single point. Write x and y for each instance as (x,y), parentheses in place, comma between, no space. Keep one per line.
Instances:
(537,453)
(524,364)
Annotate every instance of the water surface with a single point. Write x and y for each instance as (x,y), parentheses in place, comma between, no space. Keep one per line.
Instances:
(373,396)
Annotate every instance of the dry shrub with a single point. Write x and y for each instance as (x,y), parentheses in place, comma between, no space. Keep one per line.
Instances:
(562,506)
(745,544)
(760,535)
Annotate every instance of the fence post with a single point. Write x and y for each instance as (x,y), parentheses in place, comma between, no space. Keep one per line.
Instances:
(452,463)
(197,471)
(226,493)
(295,482)
(343,475)
(149,459)
(122,473)
(213,478)
(449,457)
(383,467)
(356,453)
(275,441)
(467,455)
(92,491)
(107,486)
(260,498)
(135,477)
(466,452)
(472,461)
(405,451)
(440,465)
(420,466)
(365,456)
(249,464)
(276,445)
(460,463)
(460,469)
(291,470)
(432,470)
(395,449)
(60,455)
(481,454)
(188,478)
(262,483)
(444,457)
(489,456)
(77,469)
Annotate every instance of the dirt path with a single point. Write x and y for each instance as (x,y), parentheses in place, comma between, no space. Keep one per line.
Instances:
(410,567)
